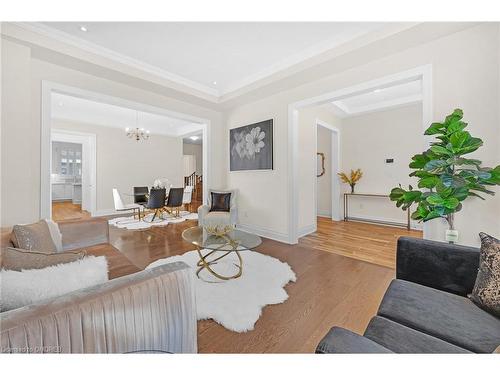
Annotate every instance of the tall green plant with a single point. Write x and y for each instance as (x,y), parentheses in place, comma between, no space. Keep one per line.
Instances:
(446,175)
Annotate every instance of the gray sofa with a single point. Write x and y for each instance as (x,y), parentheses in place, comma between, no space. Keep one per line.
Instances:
(137,310)
(151,310)
(425,309)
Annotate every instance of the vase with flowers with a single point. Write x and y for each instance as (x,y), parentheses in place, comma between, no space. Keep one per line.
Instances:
(352,179)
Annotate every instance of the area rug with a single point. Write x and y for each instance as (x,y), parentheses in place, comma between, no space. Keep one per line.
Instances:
(132,223)
(237,304)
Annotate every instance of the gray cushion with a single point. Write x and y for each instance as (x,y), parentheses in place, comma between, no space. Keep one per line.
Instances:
(340,340)
(402,339)
(447,316)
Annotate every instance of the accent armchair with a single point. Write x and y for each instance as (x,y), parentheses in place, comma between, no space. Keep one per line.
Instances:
(207,217)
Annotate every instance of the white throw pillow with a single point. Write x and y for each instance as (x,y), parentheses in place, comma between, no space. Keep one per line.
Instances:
(55,234)
(21,288)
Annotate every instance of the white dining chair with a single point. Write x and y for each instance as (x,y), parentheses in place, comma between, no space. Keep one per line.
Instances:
(188,195)
(122,207)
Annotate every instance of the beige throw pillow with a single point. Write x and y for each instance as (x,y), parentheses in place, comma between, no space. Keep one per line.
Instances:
(33,237)
(486,292)
(19,259)
(55,234)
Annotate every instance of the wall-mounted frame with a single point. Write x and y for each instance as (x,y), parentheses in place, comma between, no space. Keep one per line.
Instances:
(251,147)
(320,164)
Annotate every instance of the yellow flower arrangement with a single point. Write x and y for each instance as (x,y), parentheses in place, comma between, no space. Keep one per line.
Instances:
(352,179)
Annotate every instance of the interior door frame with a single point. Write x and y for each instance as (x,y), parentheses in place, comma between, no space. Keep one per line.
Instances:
(49,87)
(422,73)
(89,164)
(335,163)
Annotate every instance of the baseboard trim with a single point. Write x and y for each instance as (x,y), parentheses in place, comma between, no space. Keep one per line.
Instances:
(108,212)
(413,225)
(266,233)
(307,230)
(324,213)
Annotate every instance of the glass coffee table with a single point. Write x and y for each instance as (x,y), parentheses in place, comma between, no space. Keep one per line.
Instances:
(218,247)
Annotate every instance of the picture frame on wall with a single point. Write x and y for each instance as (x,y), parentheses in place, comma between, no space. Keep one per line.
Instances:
(251,147)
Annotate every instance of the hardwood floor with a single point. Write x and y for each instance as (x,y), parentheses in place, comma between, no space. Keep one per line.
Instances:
(331,289)
(68,211)
(368,242)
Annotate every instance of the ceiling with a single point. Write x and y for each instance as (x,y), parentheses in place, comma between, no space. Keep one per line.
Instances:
(214,57)
(194,139)
(65,107)
(378,99)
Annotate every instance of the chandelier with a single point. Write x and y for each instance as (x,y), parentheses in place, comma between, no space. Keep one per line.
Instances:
(137,133)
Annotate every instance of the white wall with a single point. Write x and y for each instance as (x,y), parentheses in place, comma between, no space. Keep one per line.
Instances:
(123,163)
(18,151)
(21,109)
(367,140)
(466,80)
(324,183)
(262,194)
(197,151)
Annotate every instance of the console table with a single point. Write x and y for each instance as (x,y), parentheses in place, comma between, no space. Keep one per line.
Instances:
(393,223)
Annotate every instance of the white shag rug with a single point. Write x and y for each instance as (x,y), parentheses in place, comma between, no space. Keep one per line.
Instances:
(21,288)
(237,304)
(133,223)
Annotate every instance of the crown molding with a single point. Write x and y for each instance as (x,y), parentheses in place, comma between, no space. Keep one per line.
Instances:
(95,49)
(285,67)
(313,52)
(384,105)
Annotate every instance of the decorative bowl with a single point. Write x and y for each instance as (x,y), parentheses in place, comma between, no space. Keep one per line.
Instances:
(218,230)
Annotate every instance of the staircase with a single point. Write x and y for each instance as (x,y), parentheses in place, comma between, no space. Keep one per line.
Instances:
(197,183)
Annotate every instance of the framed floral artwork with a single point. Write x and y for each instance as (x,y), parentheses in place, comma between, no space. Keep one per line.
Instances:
(251,147)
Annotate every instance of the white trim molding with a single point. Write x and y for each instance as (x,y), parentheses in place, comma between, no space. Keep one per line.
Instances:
(413,224)
(423,73)
(336,163)
(54,39)
(308,229)
(45,135)
(85,45)
(89,164)
(263,232)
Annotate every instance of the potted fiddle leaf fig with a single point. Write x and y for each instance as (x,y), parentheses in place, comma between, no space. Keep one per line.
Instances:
(446,178)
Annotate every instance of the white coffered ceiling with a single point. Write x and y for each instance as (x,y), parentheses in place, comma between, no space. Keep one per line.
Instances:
(65,107)
(378,99)
(214,57)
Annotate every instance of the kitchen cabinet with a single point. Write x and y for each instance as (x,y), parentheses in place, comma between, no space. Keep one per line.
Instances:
(62,191)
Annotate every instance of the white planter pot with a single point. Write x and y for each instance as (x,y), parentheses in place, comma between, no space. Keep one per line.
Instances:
(451,235)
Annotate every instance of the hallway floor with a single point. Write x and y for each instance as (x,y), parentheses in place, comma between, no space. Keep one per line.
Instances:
(368,242)
(67,210)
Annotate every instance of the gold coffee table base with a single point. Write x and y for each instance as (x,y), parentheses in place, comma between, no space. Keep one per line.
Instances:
(206,263)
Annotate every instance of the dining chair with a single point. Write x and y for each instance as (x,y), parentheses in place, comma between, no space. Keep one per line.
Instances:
(121,206)
(141,195)
(188,195)
(174,201)
(156,202)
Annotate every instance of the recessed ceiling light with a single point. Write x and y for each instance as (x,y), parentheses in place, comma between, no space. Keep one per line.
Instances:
(377,90)
(194,137)
(84,29)
(214,82)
